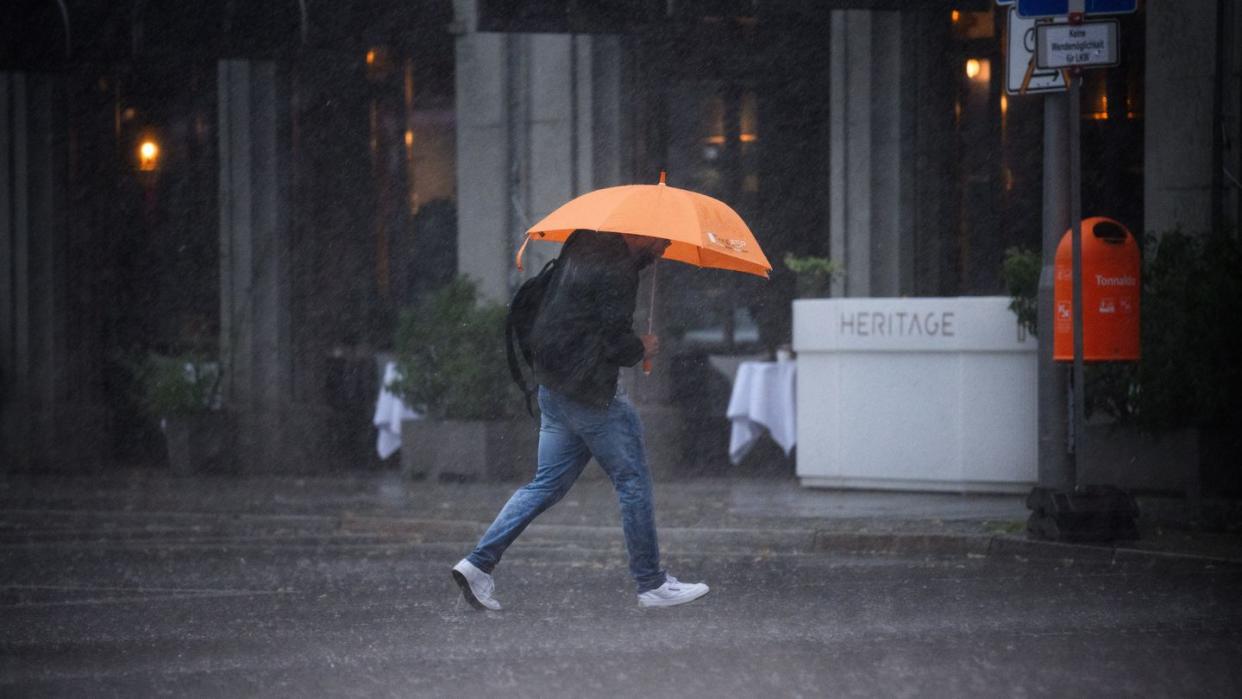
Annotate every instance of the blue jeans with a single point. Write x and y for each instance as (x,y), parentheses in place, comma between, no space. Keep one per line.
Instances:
(570,434)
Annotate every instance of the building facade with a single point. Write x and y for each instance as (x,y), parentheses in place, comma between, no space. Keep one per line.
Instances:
(319,164)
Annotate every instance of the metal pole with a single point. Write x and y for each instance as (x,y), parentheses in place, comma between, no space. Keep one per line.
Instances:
(655,266)
(1059,510)
(1218,122)
(1056,467)
(1072,84)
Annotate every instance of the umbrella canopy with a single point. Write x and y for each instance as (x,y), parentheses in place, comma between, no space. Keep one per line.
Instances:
(702,231)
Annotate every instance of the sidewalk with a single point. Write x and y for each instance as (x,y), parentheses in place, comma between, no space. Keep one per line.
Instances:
(768,516)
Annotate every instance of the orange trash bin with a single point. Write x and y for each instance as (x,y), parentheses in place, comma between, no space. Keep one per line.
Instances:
(1110,294)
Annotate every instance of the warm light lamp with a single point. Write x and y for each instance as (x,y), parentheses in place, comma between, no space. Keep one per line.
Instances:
(148,155)
(979,69)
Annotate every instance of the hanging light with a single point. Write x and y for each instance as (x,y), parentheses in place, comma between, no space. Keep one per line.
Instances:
(979,69)
(148,155)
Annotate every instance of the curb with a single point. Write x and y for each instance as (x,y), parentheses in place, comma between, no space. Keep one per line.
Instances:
(1098,553)
(788,541)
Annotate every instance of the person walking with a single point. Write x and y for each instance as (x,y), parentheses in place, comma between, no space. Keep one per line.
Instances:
(582,335)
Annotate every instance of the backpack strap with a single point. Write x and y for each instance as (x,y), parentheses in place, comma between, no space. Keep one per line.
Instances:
(515,371)
(530,293)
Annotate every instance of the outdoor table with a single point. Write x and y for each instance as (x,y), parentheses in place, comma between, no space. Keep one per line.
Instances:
(390,410)
(763,399)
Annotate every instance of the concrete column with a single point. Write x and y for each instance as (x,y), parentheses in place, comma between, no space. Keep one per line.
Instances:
(15,356)
(609,109)
(1178,103)
(49,417)
(549,168)
(483,198)
(538,122)
(849,139)
(255,257)
(29,234)
(1231,117)
(934,135)
(871,197)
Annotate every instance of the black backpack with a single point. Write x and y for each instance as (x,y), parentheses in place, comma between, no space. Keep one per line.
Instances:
(519,323)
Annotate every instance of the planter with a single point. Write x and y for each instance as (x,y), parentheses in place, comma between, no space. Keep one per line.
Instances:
(469,450)
(931,394)
(199,442)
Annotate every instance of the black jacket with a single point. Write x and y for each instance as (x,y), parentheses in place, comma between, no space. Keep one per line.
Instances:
(584,332)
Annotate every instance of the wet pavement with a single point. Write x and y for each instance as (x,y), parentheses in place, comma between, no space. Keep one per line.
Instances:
(141,585)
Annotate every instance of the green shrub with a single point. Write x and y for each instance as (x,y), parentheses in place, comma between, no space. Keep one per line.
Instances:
(176,385)
(1020,272)
(814,274)
(1189,374)
(1192,298)
(451,356)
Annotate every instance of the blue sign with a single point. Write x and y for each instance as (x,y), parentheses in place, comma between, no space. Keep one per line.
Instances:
(1060,8)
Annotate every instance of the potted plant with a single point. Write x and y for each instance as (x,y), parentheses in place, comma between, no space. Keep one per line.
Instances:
(1020,272)
(452,367)
(815,274)
(183,393)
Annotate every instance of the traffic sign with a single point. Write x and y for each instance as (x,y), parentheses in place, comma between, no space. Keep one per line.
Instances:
(1090,44)
(1060,8)
(1021,74)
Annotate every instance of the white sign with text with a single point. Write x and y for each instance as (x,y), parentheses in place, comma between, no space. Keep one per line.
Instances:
(1087,45)
(912,324)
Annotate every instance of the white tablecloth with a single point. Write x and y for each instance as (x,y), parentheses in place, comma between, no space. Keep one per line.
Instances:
(763,398)
(389,412)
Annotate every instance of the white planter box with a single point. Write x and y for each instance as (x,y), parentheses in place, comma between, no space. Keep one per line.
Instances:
(915,394)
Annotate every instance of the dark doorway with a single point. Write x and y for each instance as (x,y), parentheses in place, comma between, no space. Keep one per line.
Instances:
(737,108)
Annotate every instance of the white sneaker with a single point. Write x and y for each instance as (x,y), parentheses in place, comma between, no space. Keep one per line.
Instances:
(672,593)
(476,586)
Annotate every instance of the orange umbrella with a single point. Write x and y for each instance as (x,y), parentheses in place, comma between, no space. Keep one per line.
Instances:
(702,231)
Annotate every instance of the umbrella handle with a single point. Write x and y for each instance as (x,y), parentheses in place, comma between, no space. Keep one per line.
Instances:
(655,266)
